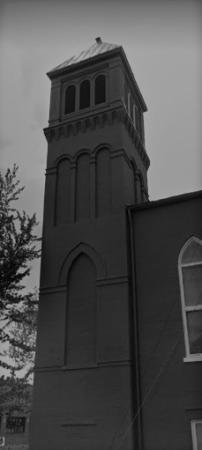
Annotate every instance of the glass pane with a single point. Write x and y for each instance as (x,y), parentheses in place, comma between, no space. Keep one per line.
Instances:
(194,323)
(199,435)
(192,278)
(193,252)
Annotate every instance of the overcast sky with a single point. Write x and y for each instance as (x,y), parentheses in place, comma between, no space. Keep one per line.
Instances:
(162,40)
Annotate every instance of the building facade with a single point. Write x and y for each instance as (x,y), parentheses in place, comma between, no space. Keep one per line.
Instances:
(93,344)
(166,271)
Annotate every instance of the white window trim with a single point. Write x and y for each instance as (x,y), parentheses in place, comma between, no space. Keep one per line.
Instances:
(189,357)
(193,433)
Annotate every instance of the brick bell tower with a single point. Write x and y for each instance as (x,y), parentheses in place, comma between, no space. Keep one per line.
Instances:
(86,389)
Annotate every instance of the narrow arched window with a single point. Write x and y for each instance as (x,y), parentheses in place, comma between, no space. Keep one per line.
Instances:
(70,96)
(84,94)
(81,314)
(190,275)
(100,89)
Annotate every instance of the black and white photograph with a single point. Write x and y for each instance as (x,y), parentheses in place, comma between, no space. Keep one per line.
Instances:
(101,225)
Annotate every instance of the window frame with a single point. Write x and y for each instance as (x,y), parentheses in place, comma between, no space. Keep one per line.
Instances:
(193,432)
(189,357)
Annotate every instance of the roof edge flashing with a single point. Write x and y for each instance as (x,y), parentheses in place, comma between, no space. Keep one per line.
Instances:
(70,68)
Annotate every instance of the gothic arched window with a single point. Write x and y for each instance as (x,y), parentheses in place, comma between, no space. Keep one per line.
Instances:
(100,89)
(190,275)
(84,94)
(81,314)
(70,97)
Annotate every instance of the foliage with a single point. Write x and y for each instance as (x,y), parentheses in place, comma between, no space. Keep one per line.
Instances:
(20,336)
(18,248)
(15,395)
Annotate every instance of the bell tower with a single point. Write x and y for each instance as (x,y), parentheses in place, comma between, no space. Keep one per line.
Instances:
(85,391)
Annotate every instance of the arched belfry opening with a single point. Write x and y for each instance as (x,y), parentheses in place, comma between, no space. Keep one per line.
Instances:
(70,98)
(100,89)
(85,94)
(80,348)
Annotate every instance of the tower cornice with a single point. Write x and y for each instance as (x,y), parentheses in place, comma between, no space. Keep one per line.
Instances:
(98,120)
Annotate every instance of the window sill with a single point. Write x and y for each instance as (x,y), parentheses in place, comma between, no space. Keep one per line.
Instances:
(193,358)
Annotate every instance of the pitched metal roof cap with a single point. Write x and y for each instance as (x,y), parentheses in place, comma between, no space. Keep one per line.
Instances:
(96,49)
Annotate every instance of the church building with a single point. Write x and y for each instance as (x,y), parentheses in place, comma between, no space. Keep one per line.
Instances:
(119,346)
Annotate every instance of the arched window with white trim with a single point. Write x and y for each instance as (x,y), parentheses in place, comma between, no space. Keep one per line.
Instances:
(190,276)
(196,429)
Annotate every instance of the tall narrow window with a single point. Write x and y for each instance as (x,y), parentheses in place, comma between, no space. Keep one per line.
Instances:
(190,274)
(70,96)
(85,94)
(81,314)
(196,429)
(100,89)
